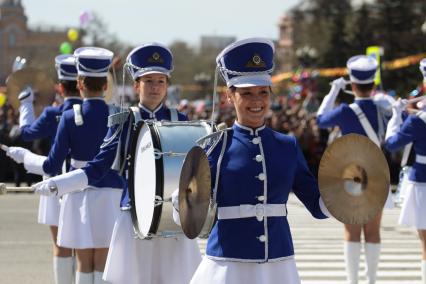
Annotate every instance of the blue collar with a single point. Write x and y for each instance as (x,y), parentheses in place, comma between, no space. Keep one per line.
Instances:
(247,130)
(150,112)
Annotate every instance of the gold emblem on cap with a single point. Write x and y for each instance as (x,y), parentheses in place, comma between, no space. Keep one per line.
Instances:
(256,62)
(257,59)
(156,58)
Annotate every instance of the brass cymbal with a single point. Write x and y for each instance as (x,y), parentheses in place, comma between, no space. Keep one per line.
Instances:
(42,85)
(194,192)
(353,179)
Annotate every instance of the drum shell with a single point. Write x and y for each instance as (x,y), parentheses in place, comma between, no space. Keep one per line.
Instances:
(169,142)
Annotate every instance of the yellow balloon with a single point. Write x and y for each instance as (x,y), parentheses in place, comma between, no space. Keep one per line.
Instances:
(2,99)
(72,34)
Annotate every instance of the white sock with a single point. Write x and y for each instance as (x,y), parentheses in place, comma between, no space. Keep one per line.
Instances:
(424,271)
(352,251)
(98,278)
(63,270)
(372,256)
(84,278)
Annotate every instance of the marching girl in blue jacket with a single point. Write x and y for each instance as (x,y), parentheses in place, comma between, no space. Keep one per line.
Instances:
(87,217)
(254,169)
(45,126)
(399,134)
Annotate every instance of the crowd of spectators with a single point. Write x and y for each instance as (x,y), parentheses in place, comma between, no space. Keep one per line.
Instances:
(289,114)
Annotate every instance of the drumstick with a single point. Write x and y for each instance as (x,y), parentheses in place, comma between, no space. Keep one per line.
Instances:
(5,189)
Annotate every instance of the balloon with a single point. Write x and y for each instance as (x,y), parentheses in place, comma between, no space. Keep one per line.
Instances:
(85,18)
(2,99)
(65,47)
(72,34)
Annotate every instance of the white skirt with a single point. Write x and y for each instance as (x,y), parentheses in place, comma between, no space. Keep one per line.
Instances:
(158,260)
(87,218)
(48,210)
(223,272)
(413,211)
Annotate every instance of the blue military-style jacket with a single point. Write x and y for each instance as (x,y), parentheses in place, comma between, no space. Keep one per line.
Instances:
(98,167)
(82,142)
(47,123)
(348,122)
(413,130)
(257,168)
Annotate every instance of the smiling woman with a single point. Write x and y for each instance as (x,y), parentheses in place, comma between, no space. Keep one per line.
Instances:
(253,169)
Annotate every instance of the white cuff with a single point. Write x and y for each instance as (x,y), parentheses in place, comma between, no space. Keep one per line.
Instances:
(328,101)
(323,208)
(71,182)
(26,116)
(33,163)
(393,125)
(175,203)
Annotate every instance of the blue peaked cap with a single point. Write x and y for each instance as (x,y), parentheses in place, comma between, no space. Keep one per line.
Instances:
(148,59)
(65,67)
(93,61)
(362,69)
(247,63)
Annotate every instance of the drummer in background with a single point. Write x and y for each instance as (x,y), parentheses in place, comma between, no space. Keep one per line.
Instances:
(256,168)
(131,260)
(42,127)
(364,117)
(87,217)
(399,134)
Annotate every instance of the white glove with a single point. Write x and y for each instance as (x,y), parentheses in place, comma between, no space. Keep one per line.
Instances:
(328,101)
(398,106)
(46,187)
(17,154)
(175,203)
(339,83)
(26,96)
(26,109)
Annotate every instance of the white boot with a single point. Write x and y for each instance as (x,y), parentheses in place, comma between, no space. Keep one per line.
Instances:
(372,256)
(98,278)
(84,278)
(424,271)
(63,270)
(352,251)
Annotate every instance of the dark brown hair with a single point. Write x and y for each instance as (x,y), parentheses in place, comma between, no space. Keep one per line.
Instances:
(70,87)
(93,84)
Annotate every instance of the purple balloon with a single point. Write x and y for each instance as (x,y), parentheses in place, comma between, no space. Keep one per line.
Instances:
(85,18)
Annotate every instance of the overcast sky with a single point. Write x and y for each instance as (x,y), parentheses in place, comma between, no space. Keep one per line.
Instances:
(139,21)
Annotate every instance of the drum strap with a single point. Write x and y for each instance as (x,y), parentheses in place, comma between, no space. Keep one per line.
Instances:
(365,124)
(219,162)
(136,113)
(173,114)
(406,154)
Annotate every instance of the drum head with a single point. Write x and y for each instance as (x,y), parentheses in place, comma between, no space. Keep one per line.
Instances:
(143,181)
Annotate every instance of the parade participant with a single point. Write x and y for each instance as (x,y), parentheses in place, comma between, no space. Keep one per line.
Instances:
(131,260)
(366,118)
(253,169)
(399,134)
(45,127)
(87,217)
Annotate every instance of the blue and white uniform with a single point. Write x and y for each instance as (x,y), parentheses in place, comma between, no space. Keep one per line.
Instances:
(413,130)
(45,126)
(253,172)
(365,116)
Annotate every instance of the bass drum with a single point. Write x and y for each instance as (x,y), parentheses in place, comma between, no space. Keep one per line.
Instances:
(157,153)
